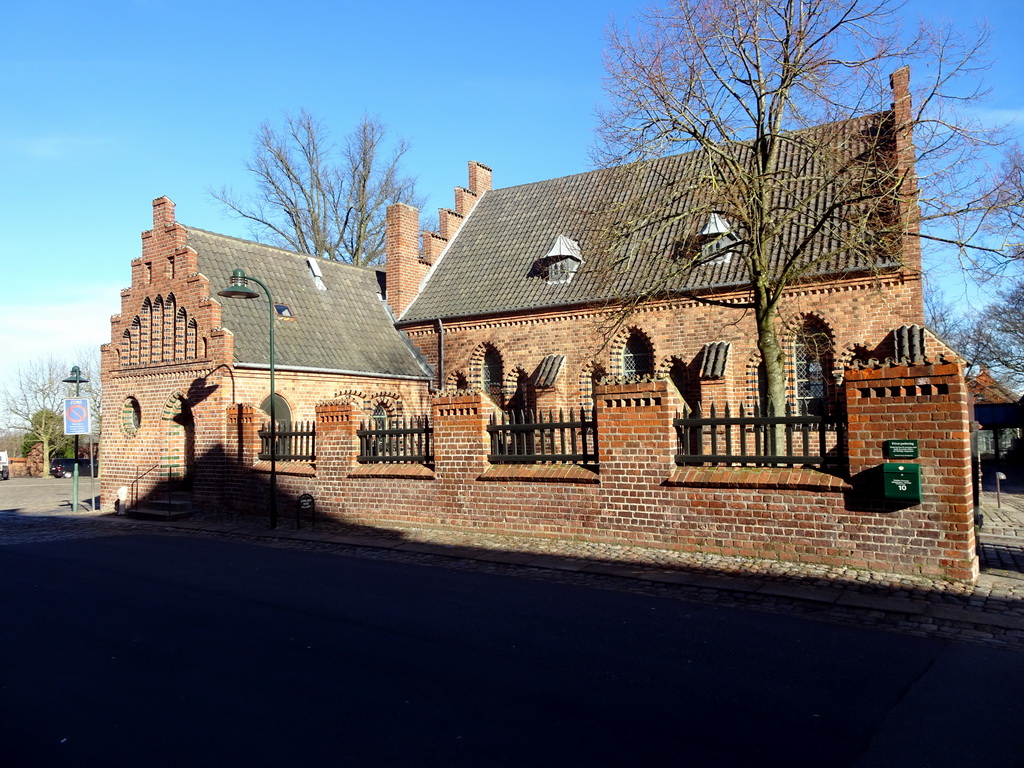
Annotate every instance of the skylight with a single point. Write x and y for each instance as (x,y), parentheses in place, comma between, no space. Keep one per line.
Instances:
(318,276)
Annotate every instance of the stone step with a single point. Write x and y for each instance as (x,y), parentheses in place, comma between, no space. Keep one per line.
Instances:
(163,509)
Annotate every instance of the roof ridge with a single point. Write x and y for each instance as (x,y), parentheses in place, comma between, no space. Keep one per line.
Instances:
(659,158)
(279,249)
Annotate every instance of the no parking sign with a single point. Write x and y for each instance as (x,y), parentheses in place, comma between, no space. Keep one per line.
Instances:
(76,416)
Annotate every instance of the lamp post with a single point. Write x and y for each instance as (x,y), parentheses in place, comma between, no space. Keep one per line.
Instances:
(239,289)
(78,380)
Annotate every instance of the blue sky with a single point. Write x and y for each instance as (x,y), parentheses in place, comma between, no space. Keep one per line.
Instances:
(107,105)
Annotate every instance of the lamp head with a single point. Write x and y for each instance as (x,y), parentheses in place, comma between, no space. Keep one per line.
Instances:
(239,287)
(76,376)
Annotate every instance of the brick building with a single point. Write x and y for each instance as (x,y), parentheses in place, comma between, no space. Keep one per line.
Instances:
(180,356)
(505,309)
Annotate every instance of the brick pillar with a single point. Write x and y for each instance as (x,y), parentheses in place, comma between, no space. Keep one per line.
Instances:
(243,439)
(461,445)
(464,201)
(337,453)
(927,403)
(449,222)
(479,178)
(433,246)
(404,268)
(637,449)
(242,446)
(910,209)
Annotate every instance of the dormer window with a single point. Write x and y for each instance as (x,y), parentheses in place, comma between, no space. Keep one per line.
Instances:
(717,239)
(284,312)
(562,261)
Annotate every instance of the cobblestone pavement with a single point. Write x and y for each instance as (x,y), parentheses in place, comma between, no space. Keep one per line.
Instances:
(989,612)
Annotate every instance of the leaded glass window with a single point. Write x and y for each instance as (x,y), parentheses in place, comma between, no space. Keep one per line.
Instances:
(492,371)
(812,352)
(637,359)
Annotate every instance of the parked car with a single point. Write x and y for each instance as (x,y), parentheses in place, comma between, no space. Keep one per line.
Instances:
(5,466)
(66,468)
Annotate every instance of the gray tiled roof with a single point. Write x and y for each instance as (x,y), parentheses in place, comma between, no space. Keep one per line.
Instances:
(495,263)
(345,328)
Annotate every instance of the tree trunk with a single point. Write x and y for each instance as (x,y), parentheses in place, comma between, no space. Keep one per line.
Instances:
(772,354)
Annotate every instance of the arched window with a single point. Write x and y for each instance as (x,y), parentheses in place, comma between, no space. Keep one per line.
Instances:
(637,357)
(812,357)
(282,413)
(146,328)
(493,373)
(135,341)
(190,340)
(170,315)
(380,417)
(126,347)
(156,342)
(180,323)
(283,417)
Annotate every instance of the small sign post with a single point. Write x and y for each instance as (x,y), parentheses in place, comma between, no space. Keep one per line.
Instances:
(306,504)
(77,422)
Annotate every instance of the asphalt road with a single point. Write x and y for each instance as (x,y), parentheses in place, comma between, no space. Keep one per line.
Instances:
(154,650)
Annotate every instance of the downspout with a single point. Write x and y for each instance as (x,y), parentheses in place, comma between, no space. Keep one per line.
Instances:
(440,355)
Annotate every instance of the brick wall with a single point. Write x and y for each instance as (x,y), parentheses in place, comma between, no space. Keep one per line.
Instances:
(855,313)
(640,497)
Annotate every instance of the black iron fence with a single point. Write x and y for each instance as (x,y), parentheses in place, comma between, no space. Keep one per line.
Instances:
(525,437)
(295,441)
(752,439)
(407,440)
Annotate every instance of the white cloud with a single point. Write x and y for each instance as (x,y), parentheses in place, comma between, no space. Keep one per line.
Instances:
(63,327)
(998,117)
(53,147)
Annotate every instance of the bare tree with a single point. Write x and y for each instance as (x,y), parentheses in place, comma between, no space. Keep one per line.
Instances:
(33,401)
(34,404)
(316,197)
(999,334)
(785,107)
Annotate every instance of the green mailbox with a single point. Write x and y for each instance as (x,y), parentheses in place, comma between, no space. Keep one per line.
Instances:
(902,482)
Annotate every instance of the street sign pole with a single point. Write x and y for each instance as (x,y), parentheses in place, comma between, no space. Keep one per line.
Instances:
(76,422)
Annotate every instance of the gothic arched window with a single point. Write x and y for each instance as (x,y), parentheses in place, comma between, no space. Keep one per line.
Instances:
(637,357)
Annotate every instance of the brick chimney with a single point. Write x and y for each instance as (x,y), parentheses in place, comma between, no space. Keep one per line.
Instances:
(903,119)
(404,268)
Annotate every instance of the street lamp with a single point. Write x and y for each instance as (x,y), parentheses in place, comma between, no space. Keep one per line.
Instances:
(78,380)
(239,289)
